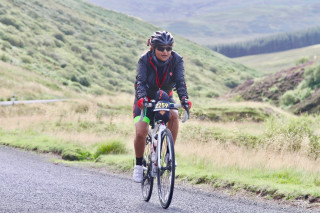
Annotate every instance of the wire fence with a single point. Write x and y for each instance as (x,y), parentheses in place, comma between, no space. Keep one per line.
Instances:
(14,102)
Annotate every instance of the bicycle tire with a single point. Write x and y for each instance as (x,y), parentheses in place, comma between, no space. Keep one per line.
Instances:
(166,169)
(147,183)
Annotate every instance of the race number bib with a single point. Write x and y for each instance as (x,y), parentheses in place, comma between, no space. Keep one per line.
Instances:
(162,105)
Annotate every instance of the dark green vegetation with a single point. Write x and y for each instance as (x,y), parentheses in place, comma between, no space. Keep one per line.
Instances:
(275,43)
(94,50)
(210,22)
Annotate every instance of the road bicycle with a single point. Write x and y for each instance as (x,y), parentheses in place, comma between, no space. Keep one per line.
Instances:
(159,157)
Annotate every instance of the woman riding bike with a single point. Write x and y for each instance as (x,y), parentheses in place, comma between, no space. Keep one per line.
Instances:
(159,68)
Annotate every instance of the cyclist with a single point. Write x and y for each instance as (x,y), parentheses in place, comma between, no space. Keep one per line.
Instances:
(159,68)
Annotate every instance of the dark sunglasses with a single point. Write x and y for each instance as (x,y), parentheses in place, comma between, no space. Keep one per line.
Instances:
(161,49)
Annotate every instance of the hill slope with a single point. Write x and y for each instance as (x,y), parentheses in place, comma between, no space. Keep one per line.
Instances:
(273,62)
(296,89)
(95,50)
(212,22)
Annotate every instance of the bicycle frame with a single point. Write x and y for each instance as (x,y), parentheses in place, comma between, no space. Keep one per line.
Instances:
(159,127)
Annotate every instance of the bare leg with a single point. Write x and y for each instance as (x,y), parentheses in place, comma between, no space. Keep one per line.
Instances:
(173,124)
(140,139)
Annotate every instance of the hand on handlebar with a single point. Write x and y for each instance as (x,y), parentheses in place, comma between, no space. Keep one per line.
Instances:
(141,102)
(186,104)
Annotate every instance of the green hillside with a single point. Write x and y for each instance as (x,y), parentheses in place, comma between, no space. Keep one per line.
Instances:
(213,21)
(274,62)
(95,50)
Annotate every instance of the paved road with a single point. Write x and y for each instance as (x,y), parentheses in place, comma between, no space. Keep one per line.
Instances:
(31,183)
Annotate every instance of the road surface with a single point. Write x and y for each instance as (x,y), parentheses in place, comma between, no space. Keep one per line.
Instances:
(30,182)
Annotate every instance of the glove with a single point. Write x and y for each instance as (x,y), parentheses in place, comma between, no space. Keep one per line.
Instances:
(185,102)
(141,102)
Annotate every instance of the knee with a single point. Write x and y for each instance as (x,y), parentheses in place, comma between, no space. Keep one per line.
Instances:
(174,115)
(141,132)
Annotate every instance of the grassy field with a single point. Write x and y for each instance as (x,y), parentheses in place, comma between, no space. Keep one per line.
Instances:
(271,63)
(253,146)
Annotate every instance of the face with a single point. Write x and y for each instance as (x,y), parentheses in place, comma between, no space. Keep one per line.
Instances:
(163,52)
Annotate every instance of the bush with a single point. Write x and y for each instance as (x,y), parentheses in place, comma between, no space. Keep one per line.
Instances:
(302,61)
(288,99)
(4,58)
(59,36)
(66,30)
(14,40)
(7,20)
(198,62)
(84,81)
(212,94)
(231,84)
(6,45)
(213,69)
(26,59)
(76,49)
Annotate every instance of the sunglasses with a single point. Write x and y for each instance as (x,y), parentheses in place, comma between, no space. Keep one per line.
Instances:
(161,49)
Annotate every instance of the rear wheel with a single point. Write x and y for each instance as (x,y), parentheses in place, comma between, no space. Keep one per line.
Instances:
(147,183)
(166,169)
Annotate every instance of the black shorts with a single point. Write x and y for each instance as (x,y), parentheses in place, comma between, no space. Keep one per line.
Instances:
(149,114)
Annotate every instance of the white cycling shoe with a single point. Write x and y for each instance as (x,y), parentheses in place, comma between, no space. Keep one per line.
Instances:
(138,174)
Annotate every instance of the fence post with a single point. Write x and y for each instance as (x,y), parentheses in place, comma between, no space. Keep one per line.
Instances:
(13,99)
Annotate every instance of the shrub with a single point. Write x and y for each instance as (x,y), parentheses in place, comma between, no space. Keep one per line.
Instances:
(66,30)
(59,36)
(7,20)
(14,40)
(302,61)
(84,81)
(213,69)
(74,78)
(87,58)
(231,83)
(198,62)
(288,99)
(26,59)
(212,94)
(6,45)
(76,49)
(4,58)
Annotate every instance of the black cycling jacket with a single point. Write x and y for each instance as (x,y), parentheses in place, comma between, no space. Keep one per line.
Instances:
(147,83)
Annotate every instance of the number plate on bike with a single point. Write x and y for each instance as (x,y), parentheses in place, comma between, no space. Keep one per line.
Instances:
(162,105)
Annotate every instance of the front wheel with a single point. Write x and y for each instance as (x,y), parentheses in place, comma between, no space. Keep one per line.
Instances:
(147,182)
(166,169)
